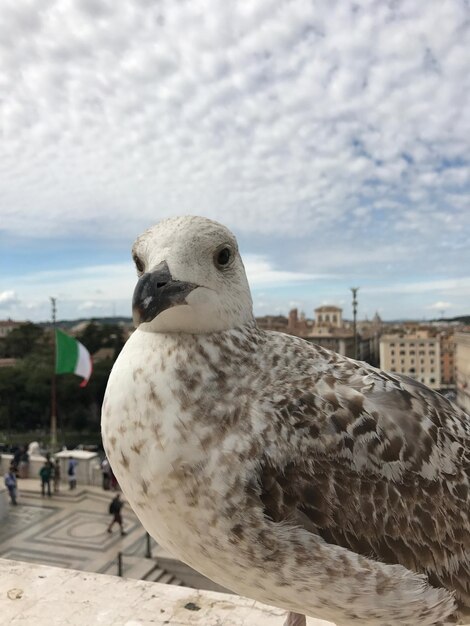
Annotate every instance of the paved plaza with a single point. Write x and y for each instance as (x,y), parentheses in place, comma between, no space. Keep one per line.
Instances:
(69,530)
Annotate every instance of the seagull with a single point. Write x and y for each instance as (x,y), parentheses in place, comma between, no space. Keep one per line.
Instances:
(281,470)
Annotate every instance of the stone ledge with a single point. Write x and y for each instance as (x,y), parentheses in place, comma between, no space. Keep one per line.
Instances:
(38,595)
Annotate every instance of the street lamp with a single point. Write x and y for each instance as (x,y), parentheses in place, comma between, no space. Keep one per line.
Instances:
(53,385)
(354,303)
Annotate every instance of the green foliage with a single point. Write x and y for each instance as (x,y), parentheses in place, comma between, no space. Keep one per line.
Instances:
(25,389)
(96,336)
(21,341)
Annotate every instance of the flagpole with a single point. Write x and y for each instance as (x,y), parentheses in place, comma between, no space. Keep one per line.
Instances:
(53,385)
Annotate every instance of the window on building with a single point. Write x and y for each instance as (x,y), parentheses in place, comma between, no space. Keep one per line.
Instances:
(412,370)
(432,380)
(402,352)
(392,352)
(392,345)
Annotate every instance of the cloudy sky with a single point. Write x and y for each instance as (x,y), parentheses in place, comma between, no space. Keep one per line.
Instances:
(331,136)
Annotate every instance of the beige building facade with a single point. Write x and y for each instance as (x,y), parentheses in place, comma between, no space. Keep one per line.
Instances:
(329,316)
(416,355)
(462,369)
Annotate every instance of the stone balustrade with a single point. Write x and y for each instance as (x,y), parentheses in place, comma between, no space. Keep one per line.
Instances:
(49,596)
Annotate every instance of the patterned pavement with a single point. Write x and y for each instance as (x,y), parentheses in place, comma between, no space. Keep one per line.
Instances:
(68,529)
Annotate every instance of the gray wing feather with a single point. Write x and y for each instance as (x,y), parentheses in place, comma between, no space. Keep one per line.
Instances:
(375,462)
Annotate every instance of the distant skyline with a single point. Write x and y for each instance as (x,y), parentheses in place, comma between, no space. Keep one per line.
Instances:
(332,137)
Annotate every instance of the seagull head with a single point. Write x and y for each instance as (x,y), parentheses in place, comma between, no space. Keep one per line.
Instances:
(191,278)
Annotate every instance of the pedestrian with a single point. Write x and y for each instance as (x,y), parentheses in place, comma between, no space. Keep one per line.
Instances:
(106,469)
(57,476)
(16,460)
(71,472)
(115,508)
(23,467)
(46,473)
(10,484)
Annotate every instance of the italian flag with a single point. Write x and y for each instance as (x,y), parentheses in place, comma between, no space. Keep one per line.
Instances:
(71,357)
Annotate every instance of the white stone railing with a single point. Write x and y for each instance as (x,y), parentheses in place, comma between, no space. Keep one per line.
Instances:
(48,596)
(39,595)
(88,471)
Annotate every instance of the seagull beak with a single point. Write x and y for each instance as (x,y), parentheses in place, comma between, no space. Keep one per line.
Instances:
(156,291)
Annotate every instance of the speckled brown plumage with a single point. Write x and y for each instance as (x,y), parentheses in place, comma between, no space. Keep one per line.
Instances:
(282,470)
(382,463)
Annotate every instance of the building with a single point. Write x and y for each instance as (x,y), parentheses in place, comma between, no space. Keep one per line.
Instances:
(6,326)
(328,330)
(273,322)
(462,369)
(298,325)
(8,362)
(329,316)
(336,339)
(103,354)
(416,354)
(447,341)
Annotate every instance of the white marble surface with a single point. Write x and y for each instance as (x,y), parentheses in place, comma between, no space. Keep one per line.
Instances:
(37,595)
(84,471)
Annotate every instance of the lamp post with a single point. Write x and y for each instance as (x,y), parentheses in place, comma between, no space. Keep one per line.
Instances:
(354,303)
(53,386)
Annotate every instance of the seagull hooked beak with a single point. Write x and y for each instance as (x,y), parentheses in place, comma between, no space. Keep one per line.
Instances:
(157,291)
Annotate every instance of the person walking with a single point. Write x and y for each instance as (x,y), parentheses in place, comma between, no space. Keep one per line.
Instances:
(106,470)
(16,460)
(57,476)
(71,472)
(10,484)
(45,473)
(115,508)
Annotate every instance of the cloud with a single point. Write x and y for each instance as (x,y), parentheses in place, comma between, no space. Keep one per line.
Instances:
(457,286)
(333,135)
(261,273)
(8,299)
(90,305)
(107,289)
(308,112)
(441,306)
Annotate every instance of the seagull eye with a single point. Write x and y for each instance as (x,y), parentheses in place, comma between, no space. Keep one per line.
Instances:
(222,257)
(139,264)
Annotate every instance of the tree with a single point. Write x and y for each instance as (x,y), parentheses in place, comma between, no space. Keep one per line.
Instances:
(22,340)
(25,389)
(96,336)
